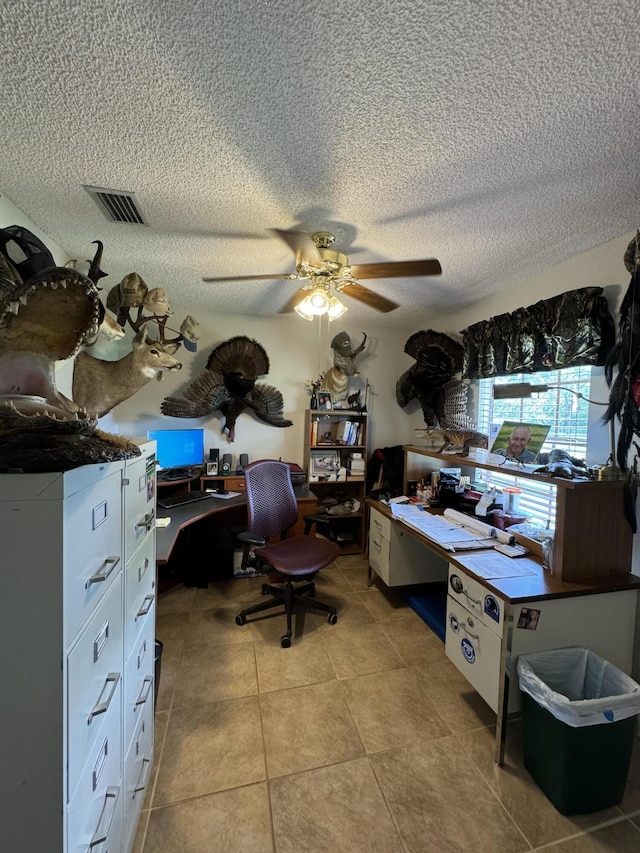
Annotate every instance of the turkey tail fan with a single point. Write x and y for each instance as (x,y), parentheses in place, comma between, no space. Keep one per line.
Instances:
(436,352)
(239,354)
(176,407)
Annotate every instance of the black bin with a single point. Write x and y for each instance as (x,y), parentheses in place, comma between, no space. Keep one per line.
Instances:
(157,660)
(579,716)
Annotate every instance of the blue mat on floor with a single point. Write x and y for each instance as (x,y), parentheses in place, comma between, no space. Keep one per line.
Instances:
(431,606)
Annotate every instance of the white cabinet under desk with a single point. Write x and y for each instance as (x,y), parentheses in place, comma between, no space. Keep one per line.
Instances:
(490,622)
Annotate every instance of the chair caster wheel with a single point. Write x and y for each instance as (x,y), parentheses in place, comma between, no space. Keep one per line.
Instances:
(285,642)
(241,619)
(332,618)
(264,590)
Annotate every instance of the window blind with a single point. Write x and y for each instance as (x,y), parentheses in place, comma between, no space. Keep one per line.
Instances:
(566,414)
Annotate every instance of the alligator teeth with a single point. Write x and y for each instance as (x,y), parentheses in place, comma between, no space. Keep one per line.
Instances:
(24,300)
(14,307)
(53,285)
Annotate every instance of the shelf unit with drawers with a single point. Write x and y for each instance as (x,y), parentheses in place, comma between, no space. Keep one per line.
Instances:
(78,607)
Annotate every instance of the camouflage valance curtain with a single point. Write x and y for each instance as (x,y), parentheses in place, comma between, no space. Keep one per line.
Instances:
(568,330)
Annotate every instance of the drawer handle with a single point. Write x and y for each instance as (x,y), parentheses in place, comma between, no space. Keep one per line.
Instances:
(103,572)
(377,544)
(147,603)
(377,524)
(148,682)
(469,633)
(144,777)
(101,835)
(148,522)
(102,707)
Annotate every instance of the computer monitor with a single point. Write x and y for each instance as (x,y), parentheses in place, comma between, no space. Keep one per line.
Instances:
(178,448)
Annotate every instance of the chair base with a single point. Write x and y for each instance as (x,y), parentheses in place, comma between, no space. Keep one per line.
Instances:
(303,596)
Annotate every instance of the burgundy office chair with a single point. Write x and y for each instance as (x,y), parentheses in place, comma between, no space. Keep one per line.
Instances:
(272,511)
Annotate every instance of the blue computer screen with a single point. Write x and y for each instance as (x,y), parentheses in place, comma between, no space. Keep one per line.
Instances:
(178,448)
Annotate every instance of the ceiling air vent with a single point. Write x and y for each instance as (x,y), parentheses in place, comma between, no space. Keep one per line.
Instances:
(117,205)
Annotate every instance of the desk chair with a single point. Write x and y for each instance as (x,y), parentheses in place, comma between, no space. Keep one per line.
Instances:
(272,510)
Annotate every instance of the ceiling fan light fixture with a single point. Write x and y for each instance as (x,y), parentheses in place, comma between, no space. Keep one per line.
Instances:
(336,308)
(318,300)
(302,310)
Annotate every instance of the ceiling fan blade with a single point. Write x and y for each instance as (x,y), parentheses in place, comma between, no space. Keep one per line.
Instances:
(283,275)
(302,246)
(396,269)
(368,297)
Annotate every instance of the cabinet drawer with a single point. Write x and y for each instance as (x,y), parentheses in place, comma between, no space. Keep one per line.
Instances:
(137,772)
(92,548)
(95,808)
(475,651)
(139,673)
(489,608)
(379,555)
(140,583)
(140,502)
(94,680)
(379,525)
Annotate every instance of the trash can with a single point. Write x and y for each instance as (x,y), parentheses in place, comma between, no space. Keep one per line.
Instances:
(157,661)
(579,715)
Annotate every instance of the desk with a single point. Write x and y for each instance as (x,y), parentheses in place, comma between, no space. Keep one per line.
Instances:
(486,629)
(187,514)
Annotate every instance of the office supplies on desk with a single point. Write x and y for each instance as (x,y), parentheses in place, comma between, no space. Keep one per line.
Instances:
(163,522)
(224,496)
(187,498)
(511,550)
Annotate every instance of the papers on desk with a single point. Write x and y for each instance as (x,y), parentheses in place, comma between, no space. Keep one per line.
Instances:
(446,530)
(225,497)
(163,522)
(491,565)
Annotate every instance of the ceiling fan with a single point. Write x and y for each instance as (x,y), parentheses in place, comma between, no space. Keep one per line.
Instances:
(321,268)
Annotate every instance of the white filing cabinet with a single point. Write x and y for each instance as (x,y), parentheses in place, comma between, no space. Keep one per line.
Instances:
(65,620)
(398,558)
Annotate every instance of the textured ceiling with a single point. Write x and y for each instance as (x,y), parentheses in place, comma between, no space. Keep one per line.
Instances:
(499,137)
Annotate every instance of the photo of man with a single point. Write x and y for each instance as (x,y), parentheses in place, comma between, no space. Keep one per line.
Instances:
(516,448)
(518,442)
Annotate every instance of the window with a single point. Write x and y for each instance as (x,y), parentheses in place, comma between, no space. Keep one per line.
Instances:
(566,414)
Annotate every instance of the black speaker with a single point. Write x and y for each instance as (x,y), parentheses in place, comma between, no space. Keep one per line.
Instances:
(225,467)
(243,460)
(214,454)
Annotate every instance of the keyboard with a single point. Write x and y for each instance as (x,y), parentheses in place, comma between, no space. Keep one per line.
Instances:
(188,498)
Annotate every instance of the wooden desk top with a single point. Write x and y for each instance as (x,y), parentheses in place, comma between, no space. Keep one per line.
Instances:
(190,513)
(521,589)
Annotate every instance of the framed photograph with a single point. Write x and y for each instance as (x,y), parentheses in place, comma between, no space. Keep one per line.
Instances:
(520,442)
(324,463)
(324,400)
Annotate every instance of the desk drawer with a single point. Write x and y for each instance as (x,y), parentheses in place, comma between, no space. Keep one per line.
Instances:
(95,679)
(476,598)
(475,651)
(379,555)
(379,525)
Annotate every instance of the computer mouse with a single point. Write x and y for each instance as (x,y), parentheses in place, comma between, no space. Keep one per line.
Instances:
(221,490)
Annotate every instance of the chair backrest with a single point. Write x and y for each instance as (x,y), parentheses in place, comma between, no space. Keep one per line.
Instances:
(271,500)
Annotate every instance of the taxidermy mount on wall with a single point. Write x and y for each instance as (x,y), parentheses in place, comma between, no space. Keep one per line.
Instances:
(44,320)
(442,397)
(336,379)
(98,384)
(229,385)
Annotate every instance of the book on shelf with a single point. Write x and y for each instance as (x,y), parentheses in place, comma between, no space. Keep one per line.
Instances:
(313,438)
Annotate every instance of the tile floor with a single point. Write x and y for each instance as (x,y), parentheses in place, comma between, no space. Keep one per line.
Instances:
(360,737)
